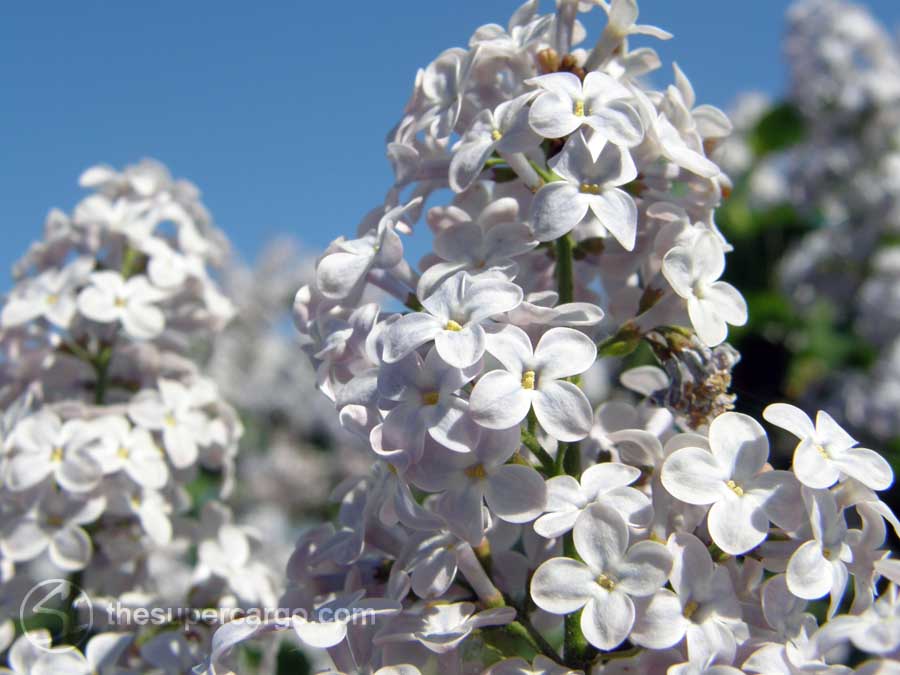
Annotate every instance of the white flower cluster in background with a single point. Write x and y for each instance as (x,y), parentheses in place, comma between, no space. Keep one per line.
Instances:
(507,526)
(293,449)
(845,80)
(109,424)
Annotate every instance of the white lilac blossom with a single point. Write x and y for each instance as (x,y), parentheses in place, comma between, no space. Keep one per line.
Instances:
(694,275)
(514,518)
(590,186)
(839,175)
(565,104)
(536,379)
(505,131)
(604,585)
(826,452)
(453,317)
(109,297)
(108,422)
(733,477)
(606,481)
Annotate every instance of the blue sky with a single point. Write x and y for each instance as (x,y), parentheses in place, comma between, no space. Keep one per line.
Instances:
(276,110)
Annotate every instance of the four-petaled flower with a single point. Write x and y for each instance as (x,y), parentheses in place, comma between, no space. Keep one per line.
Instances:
(110,297)
(453,317)
(589,186)
(694,275)
(602,586)
(565,104)
(826,451)
(502,398)
(733,477)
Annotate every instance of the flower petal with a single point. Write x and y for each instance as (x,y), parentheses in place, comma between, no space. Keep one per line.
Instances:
(601,538)
(460,349)
(645,569)
(561,585)
(617,212)
(607,619)
(866,466)
(556,209)
(790,418)
(737,524)
(408,333)
(739,444)
(693,475)
(498,400)
(808,573)
(516,493)
(563,352)
(563,410)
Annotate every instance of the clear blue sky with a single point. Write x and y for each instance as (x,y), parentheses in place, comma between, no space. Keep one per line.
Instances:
(277,110)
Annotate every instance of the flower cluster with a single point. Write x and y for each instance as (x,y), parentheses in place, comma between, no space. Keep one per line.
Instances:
(108,424)
(508,526)
(845,81)
(291,454)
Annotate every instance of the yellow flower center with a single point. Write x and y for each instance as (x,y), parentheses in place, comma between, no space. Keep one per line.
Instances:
(822,451)
(528,379)
(52,299)
(589,188)
(430,397)
(452,325)
(689,609)
(169,420)
(496,134)
(579,109)
(735,488)
(123,452)
(477,472)
(606,582)
(120,302)
(56,455)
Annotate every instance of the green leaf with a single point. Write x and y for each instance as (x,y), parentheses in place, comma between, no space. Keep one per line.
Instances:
(625,341)
(291,661)
(781,127)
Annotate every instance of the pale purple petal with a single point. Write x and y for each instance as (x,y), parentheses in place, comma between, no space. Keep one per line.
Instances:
(556,209)
(563,411)
(808,573)
(409,333)
(692,475)
(737,524)
(563,352)
(498,400)
(607,619)
(516,493)
(561,585)
(601,538)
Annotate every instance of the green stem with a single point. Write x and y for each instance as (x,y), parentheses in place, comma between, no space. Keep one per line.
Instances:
(412,302)
(577,650)
(565,274)
(546,175)
(101,368)
(530,442)
(78,351)
(560,463)
(572,460)
(130,260)
(523,629)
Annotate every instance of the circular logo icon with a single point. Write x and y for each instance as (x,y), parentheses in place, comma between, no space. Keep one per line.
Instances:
(60,607)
